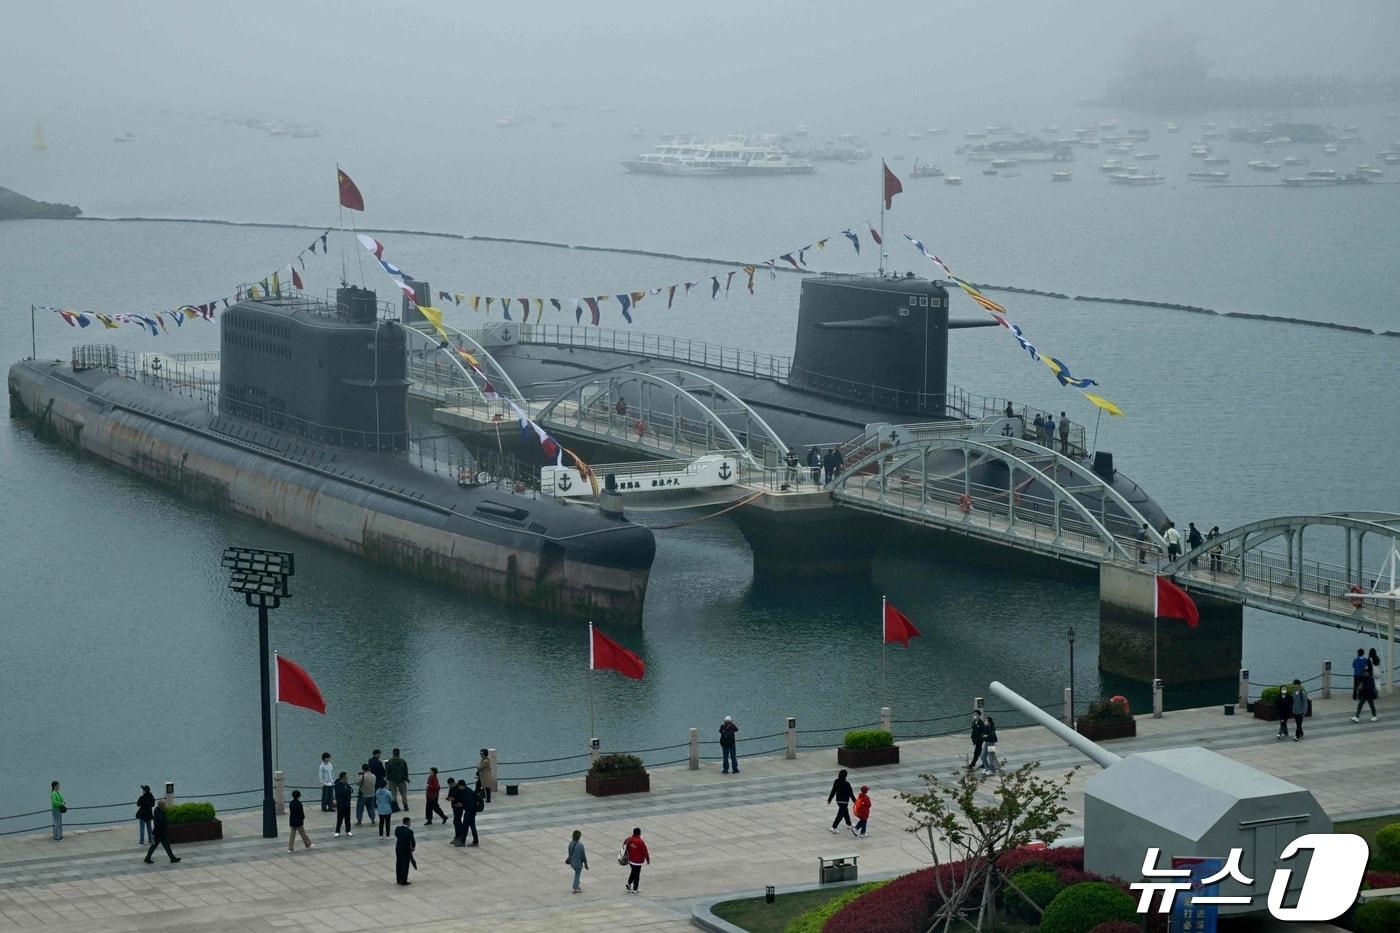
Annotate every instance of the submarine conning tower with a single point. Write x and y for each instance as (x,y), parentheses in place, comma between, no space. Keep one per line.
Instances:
(331,372)
(879,340)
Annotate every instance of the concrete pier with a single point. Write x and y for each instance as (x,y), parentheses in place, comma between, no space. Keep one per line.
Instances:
(1210,652)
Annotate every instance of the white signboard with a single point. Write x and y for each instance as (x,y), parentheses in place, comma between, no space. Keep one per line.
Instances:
(701,473)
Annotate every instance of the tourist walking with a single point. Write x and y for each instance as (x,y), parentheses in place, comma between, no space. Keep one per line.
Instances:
(59,808)
(160,834)
(577,859)
(727,731)
(145,813)
(843,794)
(468,798)
(296,819)
(1359,666)
(989,746)
(1064,434)
(1300,708)
(364,794)
(979,735)
(404,844)
(485,775)
(1141,538)
(1366,695)
(634,851)
(1193,540)
(376,767)
(1283,709)
(432,792)
(1173,539)
(814,464)
(384,806)
(790,471)
(396,776)
(861,809)
(342,805)
(1375,660)
(1212,535)
(327,782)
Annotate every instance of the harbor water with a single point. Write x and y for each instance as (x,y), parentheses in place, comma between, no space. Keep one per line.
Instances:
(128,661)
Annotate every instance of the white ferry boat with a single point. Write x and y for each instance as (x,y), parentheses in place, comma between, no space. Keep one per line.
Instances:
(739,155)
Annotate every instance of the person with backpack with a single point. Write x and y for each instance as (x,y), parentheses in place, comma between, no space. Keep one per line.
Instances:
(861,809)
(1359,665)
(577,858)
(843,794)
(634,854)
(989,746)
(1193,540)
(727,730)
(296,819)
(1283,709)
(1300,708)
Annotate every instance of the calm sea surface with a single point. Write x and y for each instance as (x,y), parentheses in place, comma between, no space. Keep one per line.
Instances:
(126,660)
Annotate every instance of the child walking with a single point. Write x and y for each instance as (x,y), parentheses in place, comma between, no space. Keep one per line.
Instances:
(861,809)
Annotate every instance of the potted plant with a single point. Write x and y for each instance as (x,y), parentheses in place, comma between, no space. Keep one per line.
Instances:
(617,774)
(866,748)
(1106,720)
(193,822)
(1264,706)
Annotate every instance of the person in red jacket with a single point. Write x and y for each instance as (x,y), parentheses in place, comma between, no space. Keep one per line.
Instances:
(861,809)
(434,793)
(635,851)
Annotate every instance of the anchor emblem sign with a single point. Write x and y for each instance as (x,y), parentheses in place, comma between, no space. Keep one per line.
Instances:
(564,482)
(724,471)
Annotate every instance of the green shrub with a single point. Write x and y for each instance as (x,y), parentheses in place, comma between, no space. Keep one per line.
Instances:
(1039,884)
(1106,711)
(1080,908)
(1377,917)
(617,766)
(1269,696)
(1388,845)
(868,738)
(192,812)
(813,920)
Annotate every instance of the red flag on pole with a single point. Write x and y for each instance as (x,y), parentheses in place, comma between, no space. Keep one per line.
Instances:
(350,195)
(606,654)
(1172,602)
(296,687)
(892,185)
(296,280)
(897,627)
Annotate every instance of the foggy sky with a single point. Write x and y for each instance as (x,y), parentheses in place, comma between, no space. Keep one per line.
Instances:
(790,57)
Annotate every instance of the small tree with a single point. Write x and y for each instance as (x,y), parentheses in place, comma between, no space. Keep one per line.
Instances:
(957,827)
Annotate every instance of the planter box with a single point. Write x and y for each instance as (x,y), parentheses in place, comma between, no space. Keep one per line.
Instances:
(624,784)
(1265,711)
(867,757)
(181,833)
(1103,731)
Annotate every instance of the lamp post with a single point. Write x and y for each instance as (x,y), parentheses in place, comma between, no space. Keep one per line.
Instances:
(1071,676)
(261,576)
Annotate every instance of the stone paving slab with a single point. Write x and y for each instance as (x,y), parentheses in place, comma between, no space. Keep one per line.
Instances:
(710,835)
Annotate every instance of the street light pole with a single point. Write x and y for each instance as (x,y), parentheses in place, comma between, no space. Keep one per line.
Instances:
(261,576)
(1071,676)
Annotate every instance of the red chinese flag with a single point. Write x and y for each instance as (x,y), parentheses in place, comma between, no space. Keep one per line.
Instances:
(892,185)
(606,654)
(350,195)
(1172,602)
(897,627)
(296,687)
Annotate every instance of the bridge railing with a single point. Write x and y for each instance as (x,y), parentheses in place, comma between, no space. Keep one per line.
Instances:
(658,346)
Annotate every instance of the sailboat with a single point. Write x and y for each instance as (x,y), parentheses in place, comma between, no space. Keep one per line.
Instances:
(38,138)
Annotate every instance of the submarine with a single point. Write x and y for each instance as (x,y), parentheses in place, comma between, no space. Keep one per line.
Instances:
(871,353)
(308,431)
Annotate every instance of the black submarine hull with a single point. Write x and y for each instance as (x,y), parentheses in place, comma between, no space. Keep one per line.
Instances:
(568,560)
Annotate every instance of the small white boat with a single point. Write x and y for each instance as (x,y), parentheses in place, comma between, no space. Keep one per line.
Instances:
(1172,127)
(508,121)
(800,129)
(1051,128)
(1146,156)
(917,136)
(1208,176)
(1004,163)
(1061,175)
(1201,151)
(1120,149)
(1390,158)
(1367,168)
(1112,165)
(1311,181)
(1331,149)
(1215,160)
(952,180)
(1296,160)
(1276,141)
(1137,178)
(1259,165)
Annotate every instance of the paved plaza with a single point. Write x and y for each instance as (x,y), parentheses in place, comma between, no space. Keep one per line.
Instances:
(710,835)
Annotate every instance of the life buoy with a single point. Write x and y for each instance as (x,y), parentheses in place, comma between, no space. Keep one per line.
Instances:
(964,503)
(1356,600)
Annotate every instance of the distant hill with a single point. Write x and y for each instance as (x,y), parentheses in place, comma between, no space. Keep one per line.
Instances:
(15,206)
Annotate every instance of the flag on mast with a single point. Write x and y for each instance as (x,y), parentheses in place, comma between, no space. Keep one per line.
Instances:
(295,686)
(892,185)
(349,194)
(606,654)
(1170,601)
(895,625)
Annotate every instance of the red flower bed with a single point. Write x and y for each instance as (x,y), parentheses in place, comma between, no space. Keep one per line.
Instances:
(1383,879)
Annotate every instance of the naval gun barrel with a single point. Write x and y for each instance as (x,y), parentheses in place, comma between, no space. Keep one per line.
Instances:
(1091,750)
